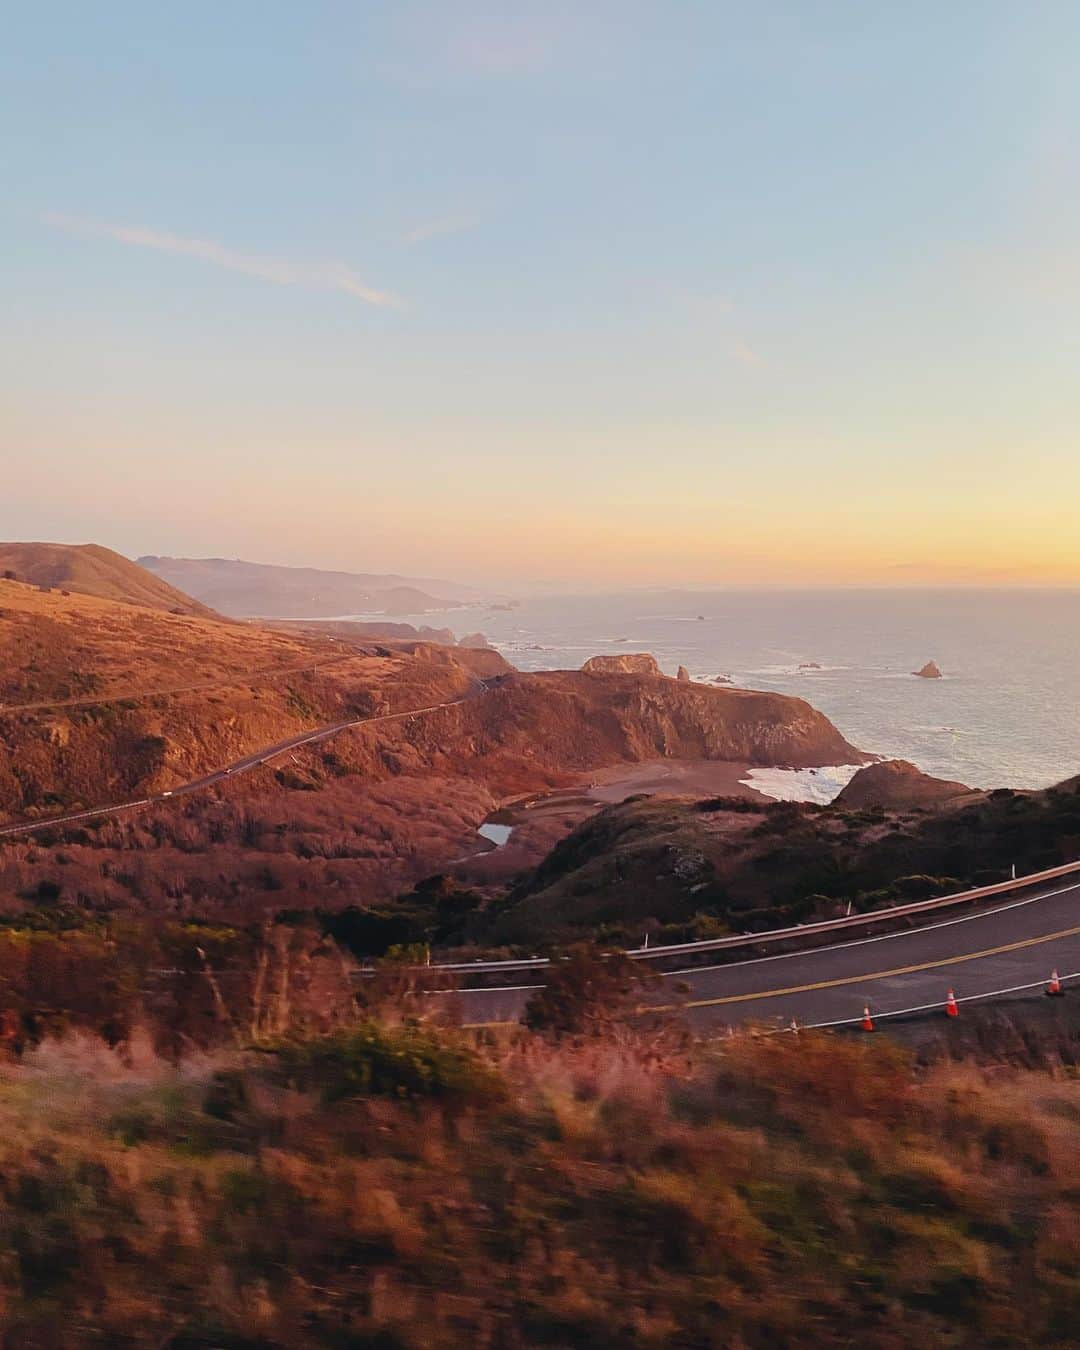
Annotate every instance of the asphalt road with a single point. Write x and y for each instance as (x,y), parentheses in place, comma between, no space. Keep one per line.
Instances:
(1003,946)
(240,766)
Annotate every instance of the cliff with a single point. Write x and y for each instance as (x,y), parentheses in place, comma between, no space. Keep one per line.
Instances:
(582,720)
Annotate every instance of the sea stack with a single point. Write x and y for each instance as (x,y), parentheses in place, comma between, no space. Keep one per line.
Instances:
(931,671)
(683,675)
(897,783)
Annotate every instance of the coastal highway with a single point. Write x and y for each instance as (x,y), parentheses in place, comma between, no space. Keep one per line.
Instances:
(1007,945)
(240,766)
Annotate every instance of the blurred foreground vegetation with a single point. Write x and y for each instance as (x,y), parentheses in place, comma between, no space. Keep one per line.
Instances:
(392,1185)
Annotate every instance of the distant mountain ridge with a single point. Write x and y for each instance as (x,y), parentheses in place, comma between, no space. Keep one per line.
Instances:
(91,569)
(267,590)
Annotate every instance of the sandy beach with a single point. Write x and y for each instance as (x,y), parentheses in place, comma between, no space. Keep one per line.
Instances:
(672,778)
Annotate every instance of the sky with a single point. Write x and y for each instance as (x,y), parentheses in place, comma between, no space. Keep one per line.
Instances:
(585,294)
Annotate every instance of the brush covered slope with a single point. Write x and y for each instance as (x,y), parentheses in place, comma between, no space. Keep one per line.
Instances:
(90,569)
(352,821)
(683,869)
(898,783)
(391,1187)
(101,699)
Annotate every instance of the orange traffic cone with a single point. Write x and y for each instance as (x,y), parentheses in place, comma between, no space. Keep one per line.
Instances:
(1054,989)
(950,1005)
(867,1020)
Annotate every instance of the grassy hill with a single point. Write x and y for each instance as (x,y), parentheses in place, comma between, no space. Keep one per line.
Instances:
(140,701)
(90,569)
(99,699)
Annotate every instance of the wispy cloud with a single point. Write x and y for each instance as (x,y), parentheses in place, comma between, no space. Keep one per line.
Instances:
(434,229)
(312,276)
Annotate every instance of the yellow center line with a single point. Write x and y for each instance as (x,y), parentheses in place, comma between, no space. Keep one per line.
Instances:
(860,979)
(828,984)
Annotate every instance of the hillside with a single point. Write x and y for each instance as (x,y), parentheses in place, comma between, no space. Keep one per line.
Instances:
(262,590)
(102,700)
(164,699)
(898,783)
(90,569)
(684,869)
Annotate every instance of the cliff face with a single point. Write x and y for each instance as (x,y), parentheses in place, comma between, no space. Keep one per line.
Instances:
(897,783)
(526,732)
(566,721)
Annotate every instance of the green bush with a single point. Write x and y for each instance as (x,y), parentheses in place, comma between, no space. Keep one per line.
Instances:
(371,1060)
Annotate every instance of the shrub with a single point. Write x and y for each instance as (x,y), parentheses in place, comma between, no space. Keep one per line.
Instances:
(371,1060)
(586,989)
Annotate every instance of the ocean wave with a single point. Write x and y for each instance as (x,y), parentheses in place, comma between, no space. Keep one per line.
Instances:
(791,671)
(802,785)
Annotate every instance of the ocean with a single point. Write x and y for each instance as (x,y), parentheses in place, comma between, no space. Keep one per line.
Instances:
(1005,715)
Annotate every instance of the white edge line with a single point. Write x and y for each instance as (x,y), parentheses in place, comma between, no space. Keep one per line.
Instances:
(492,967)
(815,1026)
(492,989)
(927,1007)
(881,937)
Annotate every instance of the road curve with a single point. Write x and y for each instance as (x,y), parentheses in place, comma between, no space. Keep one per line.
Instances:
(239,766)
(987,951)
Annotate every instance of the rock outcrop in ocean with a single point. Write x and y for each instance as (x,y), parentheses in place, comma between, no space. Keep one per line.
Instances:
(632,663)
(931,671)
(898,783)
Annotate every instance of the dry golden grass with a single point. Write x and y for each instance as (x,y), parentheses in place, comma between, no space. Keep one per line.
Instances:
(390,1188)
(50,641)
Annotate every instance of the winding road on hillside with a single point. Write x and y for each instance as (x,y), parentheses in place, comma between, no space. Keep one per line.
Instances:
(1010,945)
(233,770)
(1005,947)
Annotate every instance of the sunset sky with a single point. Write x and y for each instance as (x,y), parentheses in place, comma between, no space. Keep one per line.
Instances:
(552,294)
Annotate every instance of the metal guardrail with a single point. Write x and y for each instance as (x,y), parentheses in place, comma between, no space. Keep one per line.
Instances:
(780,934)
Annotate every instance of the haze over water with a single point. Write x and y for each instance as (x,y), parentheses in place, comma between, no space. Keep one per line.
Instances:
(1005,715)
